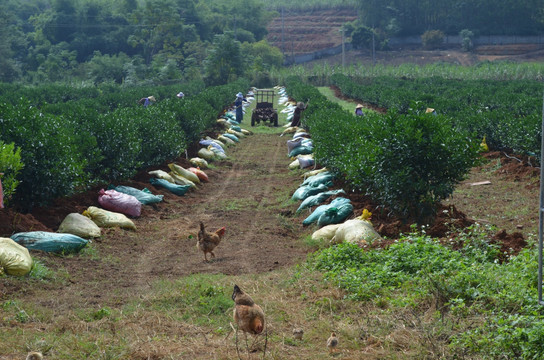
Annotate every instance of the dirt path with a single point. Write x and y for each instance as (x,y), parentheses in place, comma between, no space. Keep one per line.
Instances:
(247,193)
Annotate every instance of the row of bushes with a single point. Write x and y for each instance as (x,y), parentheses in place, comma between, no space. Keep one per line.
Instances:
(407,162)
(508,113)
(62,99)
(68,152)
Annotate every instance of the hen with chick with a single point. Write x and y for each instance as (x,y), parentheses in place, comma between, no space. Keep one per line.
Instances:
(207,242)
(248,316)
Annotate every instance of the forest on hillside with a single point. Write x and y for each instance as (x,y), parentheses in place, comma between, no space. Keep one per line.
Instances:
(88,42)
(131,41)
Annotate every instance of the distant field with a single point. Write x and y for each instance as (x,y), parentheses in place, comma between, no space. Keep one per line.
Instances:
(308,5)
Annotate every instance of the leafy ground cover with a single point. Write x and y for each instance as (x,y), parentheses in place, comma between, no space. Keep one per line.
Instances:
(149,295)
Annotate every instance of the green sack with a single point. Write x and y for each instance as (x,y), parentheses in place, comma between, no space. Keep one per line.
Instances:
(318,199)
(236,128)
(314,216)
(304,191)
(301,150)
(144,196)
(321,178)
(232,137)
(335,215)
(49,241)
(179,190)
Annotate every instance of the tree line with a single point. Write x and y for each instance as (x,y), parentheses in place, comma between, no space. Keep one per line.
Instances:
(164,41)
(132,41)
(482,17)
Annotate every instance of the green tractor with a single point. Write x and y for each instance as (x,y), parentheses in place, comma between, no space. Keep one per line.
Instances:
(264,110)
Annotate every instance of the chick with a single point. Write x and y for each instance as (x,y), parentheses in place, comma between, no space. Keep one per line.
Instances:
(332,342)
(34,355)
(248,316)
(297,333)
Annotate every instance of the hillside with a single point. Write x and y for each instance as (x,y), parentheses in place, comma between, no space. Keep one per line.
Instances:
(305,32)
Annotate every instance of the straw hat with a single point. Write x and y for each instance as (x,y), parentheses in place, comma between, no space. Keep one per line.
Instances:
(359,106)
(239,95)
(180,95)
(151,98)
(300,105)
(429,110)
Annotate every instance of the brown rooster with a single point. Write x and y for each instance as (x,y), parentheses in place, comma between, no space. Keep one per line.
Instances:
(248,316)
(207,242)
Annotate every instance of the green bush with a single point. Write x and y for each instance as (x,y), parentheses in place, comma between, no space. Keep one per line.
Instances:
(10,166)
(406,162)
(432,39)
(49,150)
(466,39)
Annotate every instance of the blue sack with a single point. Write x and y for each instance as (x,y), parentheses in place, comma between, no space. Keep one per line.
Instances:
(173,188)
(50,241)
(144,196)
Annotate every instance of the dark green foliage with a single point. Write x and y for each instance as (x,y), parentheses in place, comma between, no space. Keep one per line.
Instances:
(49,150)
(506,112)
(10,166)
(72,139)
(406,162)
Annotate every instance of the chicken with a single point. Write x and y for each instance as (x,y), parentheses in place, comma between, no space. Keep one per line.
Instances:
(34,355)
(332,342)
(207,242)
(297,333)
(248,316)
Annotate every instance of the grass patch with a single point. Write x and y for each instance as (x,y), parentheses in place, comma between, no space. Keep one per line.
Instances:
(346,105)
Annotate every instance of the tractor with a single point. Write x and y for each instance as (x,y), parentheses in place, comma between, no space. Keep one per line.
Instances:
(264,110)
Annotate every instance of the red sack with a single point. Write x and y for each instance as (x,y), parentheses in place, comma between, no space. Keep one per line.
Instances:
(121,203)
(201,174)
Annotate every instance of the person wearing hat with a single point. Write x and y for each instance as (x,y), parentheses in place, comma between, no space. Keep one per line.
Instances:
(238,106)
(298,111)
(180,95)
(359,110)
(430,110)
(146,101)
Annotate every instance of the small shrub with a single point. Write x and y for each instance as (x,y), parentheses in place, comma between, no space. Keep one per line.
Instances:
(466,39)
(432,39)
(10,166)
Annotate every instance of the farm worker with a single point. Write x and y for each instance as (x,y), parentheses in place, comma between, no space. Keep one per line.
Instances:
(359,110)
(430,110)
(238,106)
(146,101)
(180,95)
(298,111)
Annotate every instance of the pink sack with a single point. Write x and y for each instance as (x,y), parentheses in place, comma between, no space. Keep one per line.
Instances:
(201,174)
(118,202)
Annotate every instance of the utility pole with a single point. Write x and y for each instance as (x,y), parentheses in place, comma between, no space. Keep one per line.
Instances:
(373,48)
(343,49)
(282,30)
